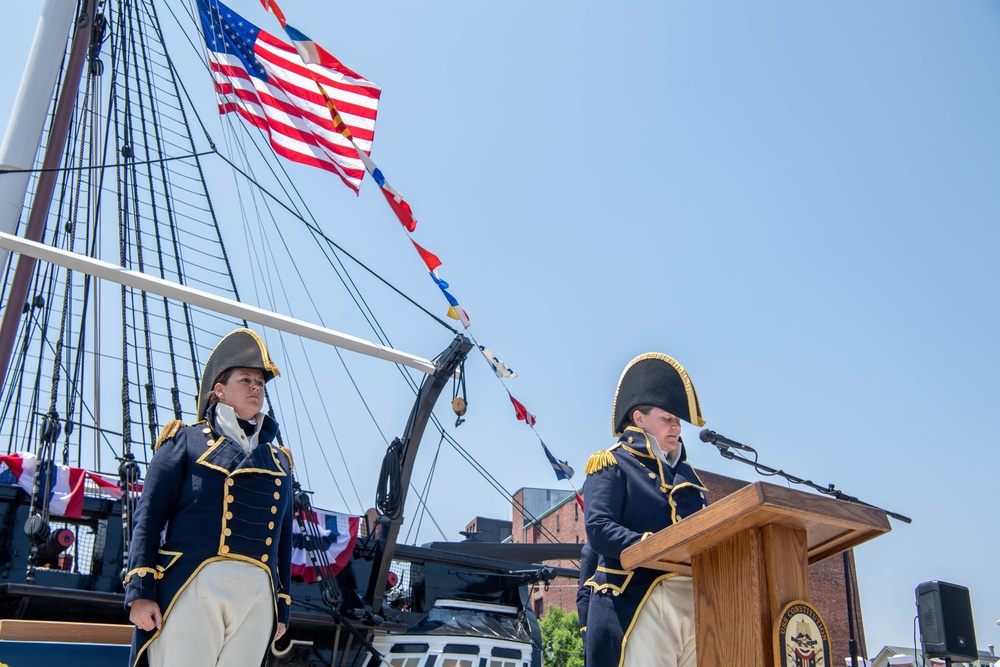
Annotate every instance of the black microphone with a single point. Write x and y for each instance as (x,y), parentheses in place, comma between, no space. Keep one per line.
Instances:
(722,441)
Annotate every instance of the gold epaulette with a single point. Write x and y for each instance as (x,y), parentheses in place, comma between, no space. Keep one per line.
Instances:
(169,430)
(600,461)
(288,453)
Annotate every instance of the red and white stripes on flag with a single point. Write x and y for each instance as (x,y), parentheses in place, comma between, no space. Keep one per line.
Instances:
(336,534)
(266,82)
(66,492)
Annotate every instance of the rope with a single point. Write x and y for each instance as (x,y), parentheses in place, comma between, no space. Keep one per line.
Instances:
(158,143)
(389,495)
(128,459)
(151,421)
(173,228)
(127,163)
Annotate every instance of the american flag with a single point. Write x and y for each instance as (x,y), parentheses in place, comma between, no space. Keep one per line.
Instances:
(265,81)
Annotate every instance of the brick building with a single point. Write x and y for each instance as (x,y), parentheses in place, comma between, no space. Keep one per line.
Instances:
(555,516)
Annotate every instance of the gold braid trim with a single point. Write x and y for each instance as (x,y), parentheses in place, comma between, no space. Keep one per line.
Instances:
(288,453)
(170,429)
(142,572)
(600,461)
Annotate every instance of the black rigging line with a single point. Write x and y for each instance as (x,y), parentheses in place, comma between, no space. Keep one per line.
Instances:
(334,244)
(377,328)
(415,526)
(186,309)
(125,163)
(81,127)
(151,421)
(365,310)
(302,280)
(384,339)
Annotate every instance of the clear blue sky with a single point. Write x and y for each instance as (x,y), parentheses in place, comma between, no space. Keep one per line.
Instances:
(798,201)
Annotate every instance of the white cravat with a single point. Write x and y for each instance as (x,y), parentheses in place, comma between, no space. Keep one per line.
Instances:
(670,458)
(226,420)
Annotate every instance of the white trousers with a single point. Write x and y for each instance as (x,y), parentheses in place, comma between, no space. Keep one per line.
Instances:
(663,634)
(223,618)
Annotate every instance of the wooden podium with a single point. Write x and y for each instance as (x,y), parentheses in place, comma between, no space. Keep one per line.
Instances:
(749,555)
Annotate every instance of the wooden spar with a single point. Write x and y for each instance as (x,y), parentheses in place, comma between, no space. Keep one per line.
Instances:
(35,229)
(451,359)
(194,297)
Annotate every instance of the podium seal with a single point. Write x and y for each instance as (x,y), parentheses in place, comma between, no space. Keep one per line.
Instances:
(800,637)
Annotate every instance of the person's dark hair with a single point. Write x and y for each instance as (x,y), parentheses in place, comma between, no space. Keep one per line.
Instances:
(223,378)
(644,409)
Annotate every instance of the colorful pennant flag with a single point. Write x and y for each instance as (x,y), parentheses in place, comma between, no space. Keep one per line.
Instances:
(266,82)
(431,260)
(522,412)
(313,55)
(396,201)
(498,366)
(337,534)
(579,500)
(272,7)
(310,52)
(561,468)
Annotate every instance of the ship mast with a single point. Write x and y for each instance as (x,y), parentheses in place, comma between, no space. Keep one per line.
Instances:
(47,180)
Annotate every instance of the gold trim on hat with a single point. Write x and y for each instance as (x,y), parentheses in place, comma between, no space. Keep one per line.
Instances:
(265,357)
(694,408)
(268,364)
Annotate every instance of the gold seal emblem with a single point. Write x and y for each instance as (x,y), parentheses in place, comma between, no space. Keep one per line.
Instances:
(800,637)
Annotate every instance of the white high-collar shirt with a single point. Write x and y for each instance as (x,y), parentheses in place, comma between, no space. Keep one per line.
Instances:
(670,458)
(225,419)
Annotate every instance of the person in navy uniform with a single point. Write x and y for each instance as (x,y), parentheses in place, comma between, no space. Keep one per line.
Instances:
(588,565)
(214,592)
(640,485)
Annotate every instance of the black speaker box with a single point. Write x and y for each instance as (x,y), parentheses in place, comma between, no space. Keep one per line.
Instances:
(946,626)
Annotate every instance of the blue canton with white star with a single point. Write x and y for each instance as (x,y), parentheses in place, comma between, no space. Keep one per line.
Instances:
(227,32)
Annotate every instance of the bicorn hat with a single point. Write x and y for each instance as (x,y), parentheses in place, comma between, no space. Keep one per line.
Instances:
(658,380)
(241,348)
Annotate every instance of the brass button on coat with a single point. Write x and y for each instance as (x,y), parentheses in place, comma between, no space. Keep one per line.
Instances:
(263,559)
(277,482)
(270,525)
(228,531)
(268,541)
(230,481)
(229,515)
(274,509)
(277,496)
(223,549)
(230,499)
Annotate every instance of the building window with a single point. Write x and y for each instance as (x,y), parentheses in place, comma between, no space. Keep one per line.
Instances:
(557,523)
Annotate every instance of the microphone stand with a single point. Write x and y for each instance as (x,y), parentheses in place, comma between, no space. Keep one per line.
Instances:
(829,489)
